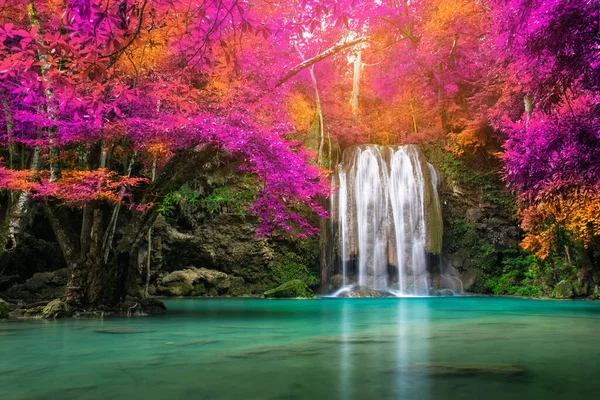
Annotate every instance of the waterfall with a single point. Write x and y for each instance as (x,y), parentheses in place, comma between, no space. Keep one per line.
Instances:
(386,219)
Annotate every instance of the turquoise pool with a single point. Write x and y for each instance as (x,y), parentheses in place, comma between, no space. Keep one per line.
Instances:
(408,348)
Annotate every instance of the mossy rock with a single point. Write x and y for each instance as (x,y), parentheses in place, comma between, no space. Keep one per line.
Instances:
(199,289)
(434,226)
(337,281)
(290,290)
(54,309)
(177,288)
(563,290)
(237,287)
(3,309)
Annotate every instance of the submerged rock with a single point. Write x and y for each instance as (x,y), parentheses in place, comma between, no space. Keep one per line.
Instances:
(563,290)
(153,306)
(291,289)
(450,369)
(122,330)
(358,340)
(3,309)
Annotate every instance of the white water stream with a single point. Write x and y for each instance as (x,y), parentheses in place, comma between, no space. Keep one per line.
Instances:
(384,203)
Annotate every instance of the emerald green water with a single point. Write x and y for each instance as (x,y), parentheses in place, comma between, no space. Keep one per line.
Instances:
(410,348)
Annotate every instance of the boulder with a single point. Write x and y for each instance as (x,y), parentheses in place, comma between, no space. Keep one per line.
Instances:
(364,291)
(563,290)
(176,289)
(3,309)
(596,293)
(290,290)
(54,309)
(153,306)
(199,282)
(41,286)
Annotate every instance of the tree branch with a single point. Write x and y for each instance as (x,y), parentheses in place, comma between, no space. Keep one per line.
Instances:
(131,40)
(327,53)
(178,170)
(66,237)
(403,31)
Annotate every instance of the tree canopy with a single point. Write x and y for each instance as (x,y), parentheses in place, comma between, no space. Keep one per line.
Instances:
(116,102)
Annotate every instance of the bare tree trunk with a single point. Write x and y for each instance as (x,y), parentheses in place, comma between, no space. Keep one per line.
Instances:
(88,283)
(356,86)
(109,235)
(322,223)
(61,227)
(412,114)
(319,112)
(20,204)
(20,201)
(149,255)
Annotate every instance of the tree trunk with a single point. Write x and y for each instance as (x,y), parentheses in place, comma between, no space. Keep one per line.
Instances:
(149,244)
(319,111)
(356,86)
(92,281)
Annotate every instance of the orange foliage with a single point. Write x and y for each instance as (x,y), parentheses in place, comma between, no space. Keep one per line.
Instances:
(15,180)
(301,111)
(575,209)
(470,138)
(79,187)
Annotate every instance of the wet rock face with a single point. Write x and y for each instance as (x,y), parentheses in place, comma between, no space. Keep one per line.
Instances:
(41,286)
(290,290)
(219,240)
(199,282)
(228,243)
(337,281)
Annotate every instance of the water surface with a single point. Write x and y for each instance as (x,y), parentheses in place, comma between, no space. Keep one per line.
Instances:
(409,348)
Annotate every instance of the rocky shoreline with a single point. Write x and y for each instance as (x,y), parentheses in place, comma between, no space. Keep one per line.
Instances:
(42,295)
(57,308)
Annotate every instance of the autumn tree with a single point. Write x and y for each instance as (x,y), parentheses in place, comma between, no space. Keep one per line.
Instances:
(107,106)
(552,156)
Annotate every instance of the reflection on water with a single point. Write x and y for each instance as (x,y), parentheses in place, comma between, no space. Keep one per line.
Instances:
(411,348)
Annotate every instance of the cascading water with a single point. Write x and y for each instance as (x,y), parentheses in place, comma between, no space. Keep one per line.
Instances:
(386,219)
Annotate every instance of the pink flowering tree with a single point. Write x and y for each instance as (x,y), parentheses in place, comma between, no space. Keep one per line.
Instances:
(551,120)
(108,106)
